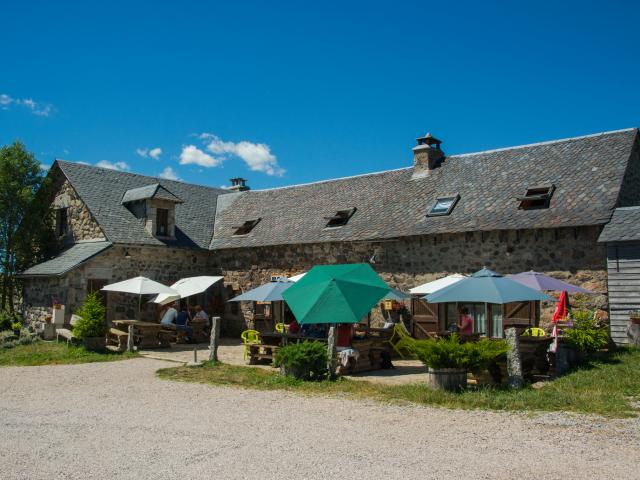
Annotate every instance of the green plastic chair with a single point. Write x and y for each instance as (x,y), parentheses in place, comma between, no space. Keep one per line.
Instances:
(401,340)
(534,332)
(249,337)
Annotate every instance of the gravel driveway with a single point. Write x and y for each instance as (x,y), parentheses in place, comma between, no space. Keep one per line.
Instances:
(117,420)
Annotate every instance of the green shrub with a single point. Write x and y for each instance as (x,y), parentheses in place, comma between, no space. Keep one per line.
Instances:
(306,360)
(16,326)
(92,321)
(450,352)
(6,321)
(587,334)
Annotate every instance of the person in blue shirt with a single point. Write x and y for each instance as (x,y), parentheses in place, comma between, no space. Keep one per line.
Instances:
(182,322)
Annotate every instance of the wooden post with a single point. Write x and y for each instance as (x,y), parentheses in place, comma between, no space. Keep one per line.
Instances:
(130,339)
(514,364)
(214,339)
(331,351)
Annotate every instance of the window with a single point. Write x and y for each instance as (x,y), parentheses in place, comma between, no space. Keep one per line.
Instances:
(536,197)
(340,218)
(443,206)
(246,227)
(162,222)
(61,222)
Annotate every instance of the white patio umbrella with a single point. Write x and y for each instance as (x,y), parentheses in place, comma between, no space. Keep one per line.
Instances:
(297,277)
(139,286)
(434,286)
(186,287)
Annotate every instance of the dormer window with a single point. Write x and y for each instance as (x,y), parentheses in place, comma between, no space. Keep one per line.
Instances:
(246,227)
(536,197)
(155,206)
(162,222)
(443,206)
(340,218)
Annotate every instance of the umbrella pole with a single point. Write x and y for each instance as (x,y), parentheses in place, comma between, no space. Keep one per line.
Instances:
(284,332)
(140,307)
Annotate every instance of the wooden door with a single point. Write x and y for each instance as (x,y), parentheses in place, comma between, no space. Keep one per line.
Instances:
(425,318)
(521,315)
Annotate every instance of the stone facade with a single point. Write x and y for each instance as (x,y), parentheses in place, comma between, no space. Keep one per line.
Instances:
(80,223)
(570,254)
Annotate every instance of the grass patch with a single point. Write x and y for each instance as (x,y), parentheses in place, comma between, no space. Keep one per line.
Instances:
(52,353)
(603,387)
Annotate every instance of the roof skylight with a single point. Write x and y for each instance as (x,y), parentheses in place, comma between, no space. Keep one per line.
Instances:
(443,206)
(340,218)
(536,197)
(246,227)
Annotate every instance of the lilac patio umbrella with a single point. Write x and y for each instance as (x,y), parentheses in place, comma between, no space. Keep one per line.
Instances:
(542,282)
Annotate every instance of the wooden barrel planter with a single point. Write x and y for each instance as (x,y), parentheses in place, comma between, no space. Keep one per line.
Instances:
(94,344)
(449,379)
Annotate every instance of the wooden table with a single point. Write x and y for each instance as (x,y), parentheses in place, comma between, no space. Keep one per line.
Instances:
(147,333)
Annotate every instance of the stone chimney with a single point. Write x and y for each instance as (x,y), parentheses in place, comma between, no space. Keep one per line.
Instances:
(427,155)
(238,185)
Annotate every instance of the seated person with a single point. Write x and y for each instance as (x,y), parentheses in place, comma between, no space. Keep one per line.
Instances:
(294,327)
(169,316)
(201,315)
(465,327)
(181,323)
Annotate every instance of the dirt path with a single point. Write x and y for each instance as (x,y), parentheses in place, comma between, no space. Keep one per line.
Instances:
(117,420)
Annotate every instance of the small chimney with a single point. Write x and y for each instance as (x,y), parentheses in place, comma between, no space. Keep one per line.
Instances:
(427,155)
(238,184)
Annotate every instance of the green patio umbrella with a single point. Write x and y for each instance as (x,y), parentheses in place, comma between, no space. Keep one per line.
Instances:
(335,294)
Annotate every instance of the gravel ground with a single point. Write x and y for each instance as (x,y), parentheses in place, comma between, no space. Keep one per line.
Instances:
(117,420)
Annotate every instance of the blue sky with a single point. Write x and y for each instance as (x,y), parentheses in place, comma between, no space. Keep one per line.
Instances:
(283,93)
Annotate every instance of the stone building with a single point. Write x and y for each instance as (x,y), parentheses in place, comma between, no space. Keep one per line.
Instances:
(540,207)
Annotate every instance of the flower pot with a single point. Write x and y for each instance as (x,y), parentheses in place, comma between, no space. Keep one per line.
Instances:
(634,320)
(16,332)
(449,379)
(94,344)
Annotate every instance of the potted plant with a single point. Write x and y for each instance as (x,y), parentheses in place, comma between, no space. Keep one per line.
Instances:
(634,317)
(585,337)
(91,326)
(304,361)
(449,360)
(16,326)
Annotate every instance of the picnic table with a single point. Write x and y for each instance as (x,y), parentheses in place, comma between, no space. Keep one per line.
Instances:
(147,334)
(271,342)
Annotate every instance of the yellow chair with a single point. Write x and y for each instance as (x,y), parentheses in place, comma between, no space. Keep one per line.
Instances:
(280,327)
(534,332)
(401,339)
(249,337)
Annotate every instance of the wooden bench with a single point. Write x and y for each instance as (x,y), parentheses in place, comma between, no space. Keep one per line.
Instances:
(117,337)
(261,351)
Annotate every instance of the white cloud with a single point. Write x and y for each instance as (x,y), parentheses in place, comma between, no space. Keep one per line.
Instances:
(113,165)
(42,110)
(149,152)
(169,174)
(155,153)
(44,168)
(193,155)
(257,156)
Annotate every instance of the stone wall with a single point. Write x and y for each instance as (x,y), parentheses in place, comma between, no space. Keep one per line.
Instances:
(570,254)
(80,223)
(163,264)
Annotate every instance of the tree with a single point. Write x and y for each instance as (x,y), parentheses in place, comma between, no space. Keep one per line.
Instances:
(92,321)
(25,217)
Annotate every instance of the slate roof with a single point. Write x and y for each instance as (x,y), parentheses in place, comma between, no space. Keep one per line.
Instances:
(150,191)
(587,172)
(67,260)
(623,227)
(102,190)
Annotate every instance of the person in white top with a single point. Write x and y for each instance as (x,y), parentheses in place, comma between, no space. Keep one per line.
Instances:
(201,314)
(170,315)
